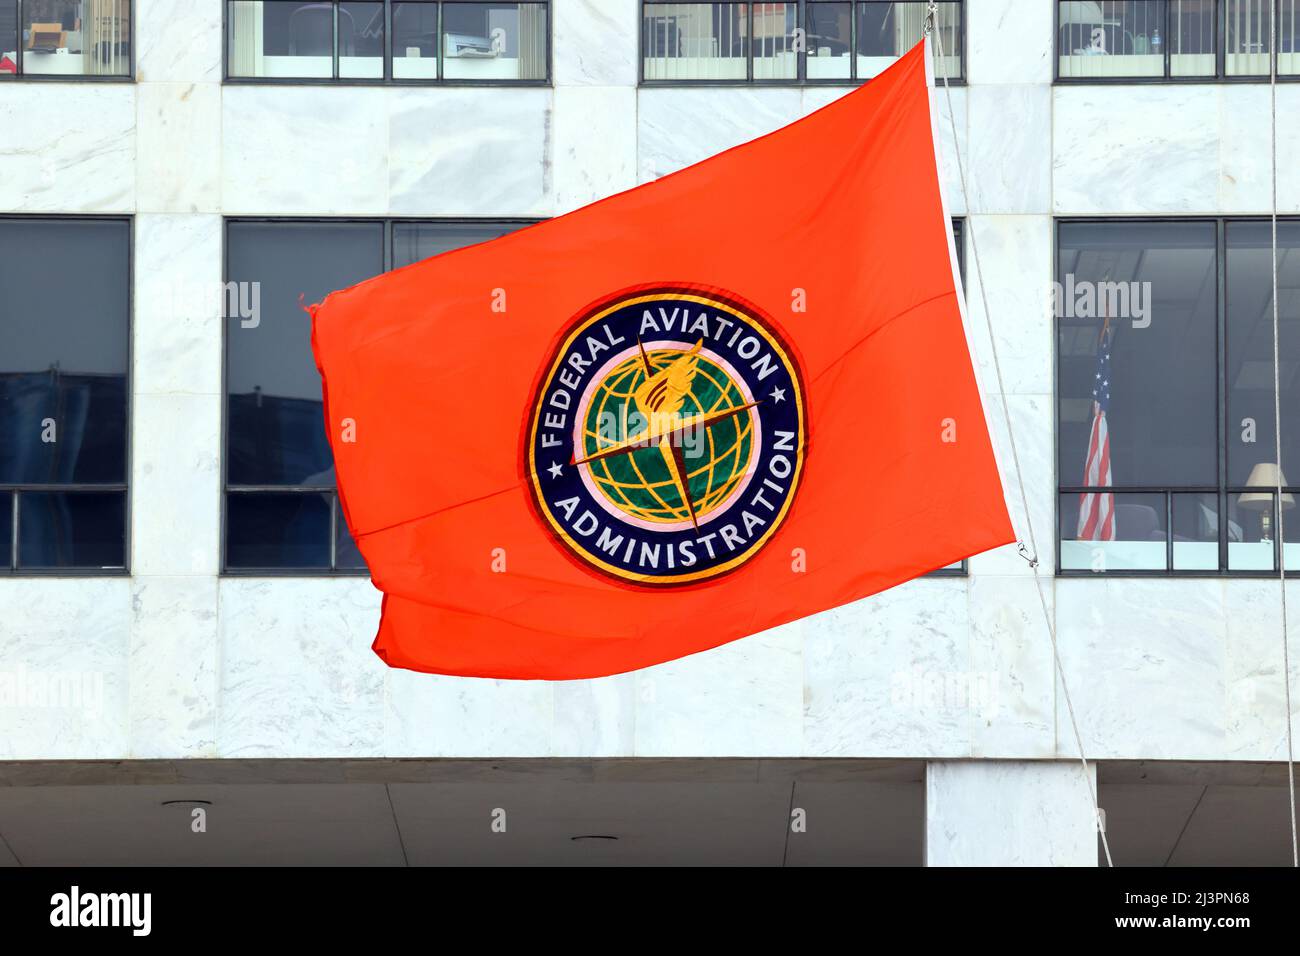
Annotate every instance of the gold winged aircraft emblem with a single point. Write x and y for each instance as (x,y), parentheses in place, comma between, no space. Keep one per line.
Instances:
(659,398)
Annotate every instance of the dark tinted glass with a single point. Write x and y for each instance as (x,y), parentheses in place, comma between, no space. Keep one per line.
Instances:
(275,429)
(277,530)
(361,40)
(1196,532)
(830,30)
(64,308)
(413,241)
(347,554)
(1156,286)
(8,38)
(415,41)
(1127,532)
(885,31)
(71,530)
(6,529)
(276,432)
(1251,430)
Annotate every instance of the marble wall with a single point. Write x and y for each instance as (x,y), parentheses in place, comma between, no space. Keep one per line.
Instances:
(176,661)
(1010,813)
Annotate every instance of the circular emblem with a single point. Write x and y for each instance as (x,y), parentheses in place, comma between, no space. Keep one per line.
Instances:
(667,436)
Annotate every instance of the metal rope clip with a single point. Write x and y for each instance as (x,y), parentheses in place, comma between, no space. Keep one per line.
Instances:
(931,11)
(1023,550)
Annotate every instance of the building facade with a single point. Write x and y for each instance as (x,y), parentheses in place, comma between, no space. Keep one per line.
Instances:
(200,166)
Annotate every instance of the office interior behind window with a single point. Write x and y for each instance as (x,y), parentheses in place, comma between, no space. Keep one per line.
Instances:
(796,41)
(1100,40)
(1187,368)
(65,38)
(431,40)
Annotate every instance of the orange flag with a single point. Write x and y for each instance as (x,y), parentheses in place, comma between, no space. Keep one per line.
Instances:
(718,402)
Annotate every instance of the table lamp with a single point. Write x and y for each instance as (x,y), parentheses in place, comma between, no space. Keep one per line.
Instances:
(1267,475)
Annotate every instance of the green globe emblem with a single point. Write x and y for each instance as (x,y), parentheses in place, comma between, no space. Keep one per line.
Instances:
(664,438)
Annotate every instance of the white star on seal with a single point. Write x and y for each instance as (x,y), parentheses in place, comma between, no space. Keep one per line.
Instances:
(778,395)
(555,470)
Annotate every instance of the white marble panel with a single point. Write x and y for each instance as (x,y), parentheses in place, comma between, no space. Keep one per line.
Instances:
(595,144)
(1245,184)
(1135,149)
(951,113)
(743,699)
(1288,147)
(1256,693)
(1032,421)
(1244,181)
(815,97)
(297,676)
(67,147)
(178,41)
(175,484)
(677,127)
(886,676)
(1016,261)
(595,718)
(595,42)
(177,334)
(304,150)
(1009,813)
(63,668)
(1010,159)
(1145,660)
(470,152)
(1012,705)
(173,667)
(1009,41)
(178,166)
(431,715)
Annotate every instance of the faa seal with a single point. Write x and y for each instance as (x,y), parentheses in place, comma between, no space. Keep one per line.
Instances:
(667,435)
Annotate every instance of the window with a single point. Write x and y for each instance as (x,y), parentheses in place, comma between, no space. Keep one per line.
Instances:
(1165,429)
(799,41)
(395,41)
(957,568)
(281,508)
(65,305)
(83,39)
(1174,39)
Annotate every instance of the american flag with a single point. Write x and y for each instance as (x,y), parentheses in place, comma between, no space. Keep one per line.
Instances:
(1097,508)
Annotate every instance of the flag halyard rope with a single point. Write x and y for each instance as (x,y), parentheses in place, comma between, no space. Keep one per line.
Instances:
(1277,421)
(1027,550)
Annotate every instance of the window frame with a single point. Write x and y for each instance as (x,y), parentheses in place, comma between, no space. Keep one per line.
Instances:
(21,77)
(388,79)
(10,568)
(389,224)
(800,78)
(1220,74)
(1223,489)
